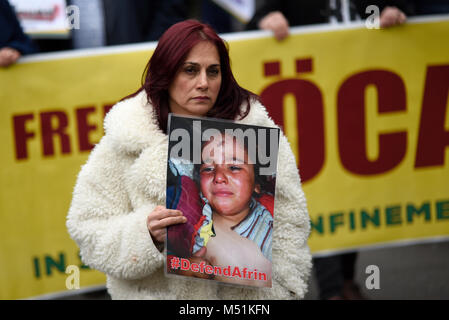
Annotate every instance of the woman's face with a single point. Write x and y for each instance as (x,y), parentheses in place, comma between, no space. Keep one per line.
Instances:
(226,178)
(195,87)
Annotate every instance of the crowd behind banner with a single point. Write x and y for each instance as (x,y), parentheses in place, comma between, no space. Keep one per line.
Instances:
(396,182)
(55,25)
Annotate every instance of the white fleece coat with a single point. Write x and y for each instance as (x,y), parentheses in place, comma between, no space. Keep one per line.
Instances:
(124,179)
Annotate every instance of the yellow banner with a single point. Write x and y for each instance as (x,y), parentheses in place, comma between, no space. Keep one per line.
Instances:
(365,112)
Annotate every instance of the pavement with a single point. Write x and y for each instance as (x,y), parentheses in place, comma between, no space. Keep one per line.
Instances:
(408,272)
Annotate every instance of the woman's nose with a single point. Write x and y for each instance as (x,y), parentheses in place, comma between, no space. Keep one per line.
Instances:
(202,80)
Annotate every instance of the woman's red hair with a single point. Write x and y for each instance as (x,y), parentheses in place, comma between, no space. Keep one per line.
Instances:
(169,55)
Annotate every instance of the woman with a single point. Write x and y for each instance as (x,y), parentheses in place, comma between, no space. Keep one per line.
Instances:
(117,215)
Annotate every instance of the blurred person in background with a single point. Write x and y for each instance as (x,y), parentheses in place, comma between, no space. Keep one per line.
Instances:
(215,16)
(431,6)
(219,18)
(117,22)
(132,21)
(416,7)
(278,15)
(13,41)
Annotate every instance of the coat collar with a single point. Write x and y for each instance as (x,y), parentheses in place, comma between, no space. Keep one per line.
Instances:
(132,125)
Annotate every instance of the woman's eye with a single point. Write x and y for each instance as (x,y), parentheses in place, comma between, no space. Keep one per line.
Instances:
(214,72)
(190,70)
(235,168)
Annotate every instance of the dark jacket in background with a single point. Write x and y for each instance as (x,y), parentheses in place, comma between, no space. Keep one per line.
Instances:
(304,12)
(131,21)
(297,12)
(11,33)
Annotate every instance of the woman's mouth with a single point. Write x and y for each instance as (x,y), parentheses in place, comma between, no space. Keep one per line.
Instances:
(201,98)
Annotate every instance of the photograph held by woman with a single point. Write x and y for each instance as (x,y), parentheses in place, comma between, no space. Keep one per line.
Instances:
(118,216)
(228,181)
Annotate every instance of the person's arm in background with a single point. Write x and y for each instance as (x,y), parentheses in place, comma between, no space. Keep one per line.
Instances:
(267,7)
(277,23)
(270,17)
(392,12)
(279,16)
(13,41)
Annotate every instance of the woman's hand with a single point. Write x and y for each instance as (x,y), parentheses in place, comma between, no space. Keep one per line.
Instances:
(158,221)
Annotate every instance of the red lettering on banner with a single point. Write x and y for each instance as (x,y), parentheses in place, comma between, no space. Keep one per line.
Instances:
(310,120)
(21,135)
(106,109)
(48,132)
(272,68)
(351,122)
(433,137)
(304,65)
(84,128)
(55,124)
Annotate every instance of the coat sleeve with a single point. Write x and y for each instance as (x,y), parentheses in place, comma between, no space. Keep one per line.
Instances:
(292,260)
(12,34)
(112,236)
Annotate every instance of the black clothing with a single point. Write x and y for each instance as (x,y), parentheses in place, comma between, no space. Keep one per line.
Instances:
(130,21)
(304,12)
(296,12)
(11,33)
(331,273)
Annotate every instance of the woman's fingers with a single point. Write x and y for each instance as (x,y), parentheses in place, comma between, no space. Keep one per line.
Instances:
(160,213)
(168,221)
(160,218)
